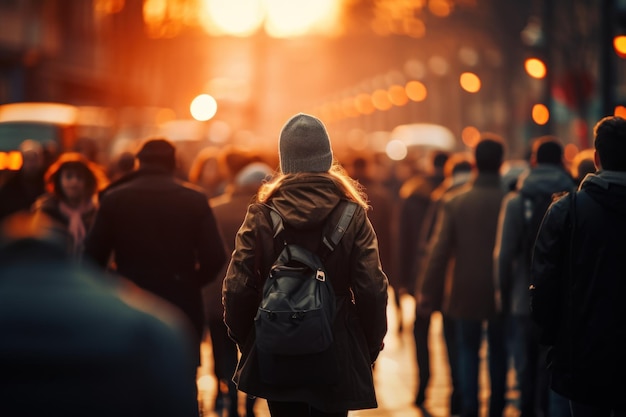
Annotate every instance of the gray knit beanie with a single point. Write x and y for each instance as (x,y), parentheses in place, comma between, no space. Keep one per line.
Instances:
(304,145)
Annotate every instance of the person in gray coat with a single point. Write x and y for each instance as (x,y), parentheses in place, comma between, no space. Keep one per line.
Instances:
(546,177)
(466,233)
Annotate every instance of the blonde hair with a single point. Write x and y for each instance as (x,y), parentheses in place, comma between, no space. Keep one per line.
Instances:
(350,187)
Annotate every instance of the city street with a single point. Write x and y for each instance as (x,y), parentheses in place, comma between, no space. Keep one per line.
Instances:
(394,374)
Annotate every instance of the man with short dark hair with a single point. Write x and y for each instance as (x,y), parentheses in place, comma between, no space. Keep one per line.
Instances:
(519,217)
(578,286)
(465,233)
(161,232)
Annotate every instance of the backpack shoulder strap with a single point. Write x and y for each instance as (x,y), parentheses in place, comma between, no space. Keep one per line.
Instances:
(277,220)
(332,239)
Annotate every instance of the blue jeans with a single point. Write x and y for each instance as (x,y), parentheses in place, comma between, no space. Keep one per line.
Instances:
(469,337)
(530,366)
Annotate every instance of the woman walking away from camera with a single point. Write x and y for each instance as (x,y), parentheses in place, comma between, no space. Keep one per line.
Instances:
(306,193)
(72,184)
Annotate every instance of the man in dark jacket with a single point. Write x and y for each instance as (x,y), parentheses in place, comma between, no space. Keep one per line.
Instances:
(161,232)
(578,286)
(512,254)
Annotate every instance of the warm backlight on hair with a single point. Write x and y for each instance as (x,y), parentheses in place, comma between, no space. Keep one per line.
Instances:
(535,68)
(416,91)
(619,43)
(540,114)
(470,136)
(620,111)
(470,82)
(203,107)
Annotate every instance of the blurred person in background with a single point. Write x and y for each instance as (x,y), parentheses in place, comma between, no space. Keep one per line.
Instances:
(21,190)
(414,202)
(72,182)
(76,342)
(122,165)
(230,210)
(457,172)
(582,165)
(512,255)
(161,232)
(206,173)
(465,234)
(381,212)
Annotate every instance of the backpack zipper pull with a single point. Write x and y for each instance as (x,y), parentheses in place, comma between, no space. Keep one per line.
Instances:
(321,275)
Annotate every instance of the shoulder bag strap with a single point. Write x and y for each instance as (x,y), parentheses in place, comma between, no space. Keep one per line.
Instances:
(332,240)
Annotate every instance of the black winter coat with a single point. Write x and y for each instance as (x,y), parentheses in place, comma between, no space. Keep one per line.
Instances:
(164,238)
(305,202)
(579,300)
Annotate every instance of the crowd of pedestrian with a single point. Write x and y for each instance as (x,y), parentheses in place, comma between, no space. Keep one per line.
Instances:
(147,261)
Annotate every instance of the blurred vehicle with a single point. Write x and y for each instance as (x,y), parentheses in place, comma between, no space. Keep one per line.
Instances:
(51,124)
(57,126)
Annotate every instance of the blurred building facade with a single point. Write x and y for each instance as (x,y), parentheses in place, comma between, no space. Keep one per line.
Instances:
(147,60)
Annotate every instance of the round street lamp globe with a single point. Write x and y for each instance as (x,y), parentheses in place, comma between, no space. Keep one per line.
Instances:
(203,107)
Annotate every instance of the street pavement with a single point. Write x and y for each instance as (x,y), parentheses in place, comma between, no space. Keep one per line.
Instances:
(395,375)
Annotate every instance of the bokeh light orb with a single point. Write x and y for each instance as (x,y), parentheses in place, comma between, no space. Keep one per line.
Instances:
(396,150)
(203,107)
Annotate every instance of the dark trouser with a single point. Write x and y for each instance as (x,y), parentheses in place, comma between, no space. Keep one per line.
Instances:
(449,333)
(298,409)
(530,368)
(421,329)
(469,337)
(420,333)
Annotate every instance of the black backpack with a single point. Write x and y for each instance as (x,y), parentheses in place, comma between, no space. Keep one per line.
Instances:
(297,309)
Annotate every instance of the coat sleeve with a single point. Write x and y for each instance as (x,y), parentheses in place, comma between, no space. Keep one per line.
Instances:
(507,247)
(547,289)
(431,291)
(99,240)
(369,284)
(241,290)
(211,251)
